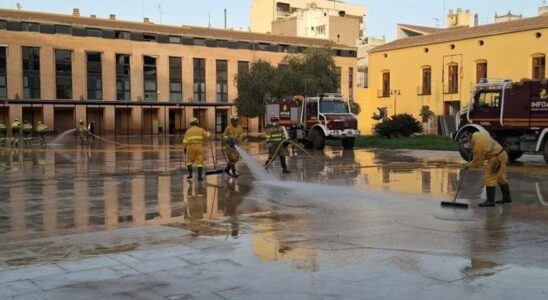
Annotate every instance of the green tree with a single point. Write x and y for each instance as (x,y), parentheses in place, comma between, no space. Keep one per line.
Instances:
(355,107)
(254,86)
(319,72)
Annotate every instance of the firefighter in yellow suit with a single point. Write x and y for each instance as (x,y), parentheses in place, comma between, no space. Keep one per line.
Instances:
(485,148)
(193,145)
(275,136)
(231,137)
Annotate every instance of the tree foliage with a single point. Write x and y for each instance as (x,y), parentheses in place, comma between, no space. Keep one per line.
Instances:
(254,86)
(308,74)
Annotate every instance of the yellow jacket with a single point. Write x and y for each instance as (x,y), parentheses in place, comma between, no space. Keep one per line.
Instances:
(195,135)
(484,148)
(275,134)
(41,128)
(232,132)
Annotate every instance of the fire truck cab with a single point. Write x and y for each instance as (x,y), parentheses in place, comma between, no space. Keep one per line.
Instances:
(314,120)
(513,113)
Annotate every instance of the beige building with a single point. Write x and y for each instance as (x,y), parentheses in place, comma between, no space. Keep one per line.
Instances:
(132,77)
(321,23)
(264,12)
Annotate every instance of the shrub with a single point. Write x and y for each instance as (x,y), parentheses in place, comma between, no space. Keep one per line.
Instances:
(397,126)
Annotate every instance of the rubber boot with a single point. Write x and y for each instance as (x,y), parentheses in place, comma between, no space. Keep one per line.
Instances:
(234,174)
(490,202)
(284,165)
(200,171)
(505,189)
(189,168)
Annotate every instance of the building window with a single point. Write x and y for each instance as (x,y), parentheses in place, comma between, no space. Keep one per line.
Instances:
(175,39)
(320,30)
(123,77)
(243,66)
(95,76)
(175,79)
(3,74)
(363,80)
(63,74)
(385,92)
(221,121)
(62,29)
(426,88)
(222,81)
(481,71)
(28,26)
(351,83)
(539,67)
(31,73)
(453,84)
(94,32)
(338,72)
(199,80)
(150,78)
(123,35)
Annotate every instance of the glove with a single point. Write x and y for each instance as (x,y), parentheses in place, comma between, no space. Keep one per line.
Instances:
(231,143)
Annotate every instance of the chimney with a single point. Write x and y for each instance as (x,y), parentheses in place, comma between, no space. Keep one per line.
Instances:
(93,16)
(146,20)
(75,12)
(112,17)
(476,20)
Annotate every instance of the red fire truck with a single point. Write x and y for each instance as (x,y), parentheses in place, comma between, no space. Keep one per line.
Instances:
(313,120)
(513,113)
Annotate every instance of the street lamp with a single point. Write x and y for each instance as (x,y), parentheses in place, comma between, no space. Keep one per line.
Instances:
(395,93)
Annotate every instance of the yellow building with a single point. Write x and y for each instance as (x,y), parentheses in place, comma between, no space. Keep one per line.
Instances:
(133,77)
(439,69)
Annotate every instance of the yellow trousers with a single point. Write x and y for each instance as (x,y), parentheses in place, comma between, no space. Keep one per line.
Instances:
(493,178)
(195,155)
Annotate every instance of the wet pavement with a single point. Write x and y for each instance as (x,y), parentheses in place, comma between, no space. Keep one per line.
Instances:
(122,222)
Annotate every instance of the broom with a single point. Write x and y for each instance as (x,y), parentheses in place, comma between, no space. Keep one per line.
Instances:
(454,203)
(215,170)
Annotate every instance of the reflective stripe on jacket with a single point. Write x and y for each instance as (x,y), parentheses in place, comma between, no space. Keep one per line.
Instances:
(232,132)
(195,135)
(274,134)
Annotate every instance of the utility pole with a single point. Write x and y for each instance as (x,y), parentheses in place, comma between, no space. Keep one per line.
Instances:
(225,18)
(160,11)
(209,19)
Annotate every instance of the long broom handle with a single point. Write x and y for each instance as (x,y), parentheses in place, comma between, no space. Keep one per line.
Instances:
(212,156)
(460,184)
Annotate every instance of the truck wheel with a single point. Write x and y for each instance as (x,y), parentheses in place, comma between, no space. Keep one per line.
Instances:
(465,149)
(307,144)
(545,152)
(348,144)
(514,155)
(318,139)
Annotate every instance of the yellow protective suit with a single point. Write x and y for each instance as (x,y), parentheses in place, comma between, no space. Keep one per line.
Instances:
(232,133)
(487,149)
(193,142)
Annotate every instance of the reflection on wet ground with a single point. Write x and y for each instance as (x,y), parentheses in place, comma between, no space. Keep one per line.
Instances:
(356,201)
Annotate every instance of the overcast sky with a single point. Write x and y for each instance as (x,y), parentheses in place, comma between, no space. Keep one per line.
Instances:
(383,15)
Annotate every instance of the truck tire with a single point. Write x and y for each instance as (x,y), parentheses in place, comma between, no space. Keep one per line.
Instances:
(318,139)
(307,144)
(465,149)
(348,143)
(514,155)
(545,151)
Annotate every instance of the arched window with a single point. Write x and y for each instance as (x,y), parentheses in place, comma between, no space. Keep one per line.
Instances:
(426,88)
(481,70)
(539,66)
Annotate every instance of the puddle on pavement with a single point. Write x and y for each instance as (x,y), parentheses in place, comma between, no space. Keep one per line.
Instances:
(49,193)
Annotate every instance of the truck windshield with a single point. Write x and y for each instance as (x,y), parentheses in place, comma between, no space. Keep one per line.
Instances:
(333,107)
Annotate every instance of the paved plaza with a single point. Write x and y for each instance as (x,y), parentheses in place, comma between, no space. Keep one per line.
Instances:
(107,222)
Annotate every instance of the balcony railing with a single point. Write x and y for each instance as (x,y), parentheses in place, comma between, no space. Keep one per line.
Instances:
(424,90)
(450,89)
(381,93)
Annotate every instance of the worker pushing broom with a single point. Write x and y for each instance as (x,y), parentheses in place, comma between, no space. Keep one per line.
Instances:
(486,149)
